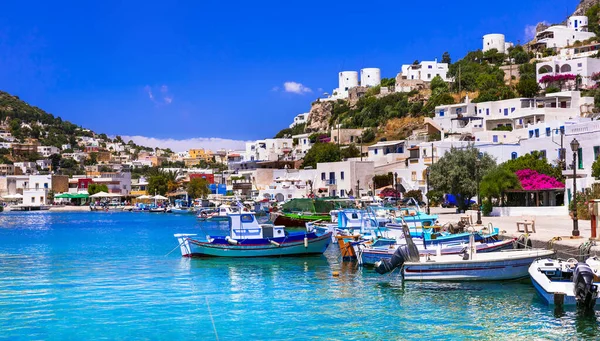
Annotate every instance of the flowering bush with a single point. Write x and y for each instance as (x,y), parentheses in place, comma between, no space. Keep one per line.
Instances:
(595,76)
(558,78)
(532,180)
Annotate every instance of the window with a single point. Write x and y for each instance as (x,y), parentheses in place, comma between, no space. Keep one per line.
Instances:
(375,151)
(512,109)
(562,129)
(543,153)
(441,113)
(351,139)
(513,155)
(537,133)
(333,193)
(413,176)
(487,111)
(530,133)
(480,111)
(304,141)
(506,112)
(579,64)
(495,138)
(331,178)
(548,131)
(428,76)
(596,152)
(32,200)
(429,67)
(342,192)
(342,175)
(323,176)
(580,158)
(41,200)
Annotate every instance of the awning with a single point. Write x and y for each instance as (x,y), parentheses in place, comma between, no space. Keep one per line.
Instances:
(72,196)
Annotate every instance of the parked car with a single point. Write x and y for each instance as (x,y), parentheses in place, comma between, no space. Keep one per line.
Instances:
(450,201)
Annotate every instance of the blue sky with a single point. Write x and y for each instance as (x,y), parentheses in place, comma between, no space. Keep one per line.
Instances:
(212,67)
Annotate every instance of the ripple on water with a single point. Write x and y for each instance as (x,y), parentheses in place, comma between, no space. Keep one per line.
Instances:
(106,276)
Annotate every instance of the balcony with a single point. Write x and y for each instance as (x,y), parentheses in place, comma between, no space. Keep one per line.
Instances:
(330,182)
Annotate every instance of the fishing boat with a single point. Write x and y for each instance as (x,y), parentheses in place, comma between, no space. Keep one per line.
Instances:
(436,235)
(565,282)
(248,238)
(219,214)
(414,217)
(384,249)
(466,266)
(298,212)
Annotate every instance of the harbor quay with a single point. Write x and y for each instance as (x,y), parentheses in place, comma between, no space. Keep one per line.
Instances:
(554,232)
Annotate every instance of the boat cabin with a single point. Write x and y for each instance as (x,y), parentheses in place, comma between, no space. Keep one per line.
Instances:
(245,226)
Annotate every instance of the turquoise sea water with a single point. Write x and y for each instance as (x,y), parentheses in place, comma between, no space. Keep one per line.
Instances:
(105,276)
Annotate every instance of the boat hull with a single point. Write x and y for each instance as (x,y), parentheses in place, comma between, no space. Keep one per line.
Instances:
(371,256)
(294,220)
(513,266)
(316,245)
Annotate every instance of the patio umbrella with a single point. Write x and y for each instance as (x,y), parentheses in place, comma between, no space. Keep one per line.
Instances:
(63,196)
(13,196)
(142,197)
(101,195)
(159,197)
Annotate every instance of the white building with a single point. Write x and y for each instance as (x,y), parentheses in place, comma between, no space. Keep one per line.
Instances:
(344,178)
(370,77)
(559,36)
(425,71)
(46,151)
(496,41)
(584,67)
(346,81)
(66,146)
(26,167)
(77,156)
(284,184)
(269,150)
(303,145)
(119,183)
(44,163)
(382,153)
(300,119)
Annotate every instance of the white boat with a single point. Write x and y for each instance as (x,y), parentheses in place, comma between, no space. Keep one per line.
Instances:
(248,238)
(466,266)
(565,282)
(219,214)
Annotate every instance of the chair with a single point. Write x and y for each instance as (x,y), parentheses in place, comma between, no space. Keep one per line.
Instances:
(526,222)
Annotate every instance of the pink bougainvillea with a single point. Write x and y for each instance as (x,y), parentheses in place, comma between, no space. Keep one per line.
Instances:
(532,180)
(557,78)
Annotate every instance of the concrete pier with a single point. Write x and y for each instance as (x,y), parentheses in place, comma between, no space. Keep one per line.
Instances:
(547,228)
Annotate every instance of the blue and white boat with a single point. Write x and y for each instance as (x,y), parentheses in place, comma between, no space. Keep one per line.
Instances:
(565,282)
(429,236)
(466,266)
(415,218)
(383,249)
(248,238)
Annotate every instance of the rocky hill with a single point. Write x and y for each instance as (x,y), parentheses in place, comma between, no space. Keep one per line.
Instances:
(584,6)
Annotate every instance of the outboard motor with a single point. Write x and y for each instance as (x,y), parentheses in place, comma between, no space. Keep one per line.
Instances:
(585,289)
(404,253)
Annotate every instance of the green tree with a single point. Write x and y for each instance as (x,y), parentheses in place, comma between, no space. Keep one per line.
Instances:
(198,188)
(596,169)
(368,136)
(158,184)
(438,85)
(350,152)
(528,87)
(496,182)
(388,82)
(457,173)
(92,159)
(55,159)
(97,188)
(535,161)
(415,193)
(322,152)
(446,58)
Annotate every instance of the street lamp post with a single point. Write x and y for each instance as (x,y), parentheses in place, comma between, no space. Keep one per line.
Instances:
(396,182)
(575,149)
(477,166)
(358,188)
(428,200)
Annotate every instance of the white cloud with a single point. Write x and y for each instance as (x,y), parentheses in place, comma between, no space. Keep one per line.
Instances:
(275,89)
(296,88)
(530,31)
(164,98)
(212,143)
